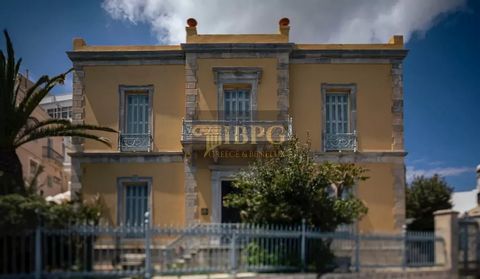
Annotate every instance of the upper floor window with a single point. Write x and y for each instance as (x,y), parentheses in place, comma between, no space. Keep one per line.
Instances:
(60,112)
(237,104)
(237,92)
(337,113)
(137,112)
(339,117)
(135,118)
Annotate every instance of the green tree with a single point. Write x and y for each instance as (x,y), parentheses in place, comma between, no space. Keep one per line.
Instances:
(425,196)
(16,127)
(289,187)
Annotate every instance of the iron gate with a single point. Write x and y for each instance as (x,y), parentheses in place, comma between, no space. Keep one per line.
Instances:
(469,248)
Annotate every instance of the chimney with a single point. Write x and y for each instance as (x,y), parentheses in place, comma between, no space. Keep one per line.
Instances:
(284,27)
(78,43)
(396,40)
(191,28)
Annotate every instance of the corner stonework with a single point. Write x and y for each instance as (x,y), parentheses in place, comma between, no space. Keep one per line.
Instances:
(78,117)
(191,99)
(397,106)
(283,87)
(398,170)
(191,83)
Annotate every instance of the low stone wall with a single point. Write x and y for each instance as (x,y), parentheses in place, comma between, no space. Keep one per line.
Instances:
(423,273)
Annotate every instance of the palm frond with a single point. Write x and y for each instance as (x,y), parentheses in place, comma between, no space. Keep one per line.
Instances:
(30,91)
(89,127)
(60,131)
(35,95)
(33,183)
(28,129)
(17,86)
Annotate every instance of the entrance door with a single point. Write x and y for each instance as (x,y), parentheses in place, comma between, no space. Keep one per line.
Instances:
(136,204)
(229,214)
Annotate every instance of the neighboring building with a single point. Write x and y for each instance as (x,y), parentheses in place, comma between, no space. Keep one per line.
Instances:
(172,105)
(46,153)
(467,203)
(60,107)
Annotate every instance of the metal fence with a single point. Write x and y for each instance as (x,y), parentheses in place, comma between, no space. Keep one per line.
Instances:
(206,248)
(469,248)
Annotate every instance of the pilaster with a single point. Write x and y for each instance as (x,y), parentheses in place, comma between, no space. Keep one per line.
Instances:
(399,209)
(397,106)
(283,85)
(191,83)
(191,190)
(78,117)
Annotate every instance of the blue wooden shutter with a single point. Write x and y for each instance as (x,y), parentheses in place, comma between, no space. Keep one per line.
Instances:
(237,104)
(138,119)
(337,114)
(136,204)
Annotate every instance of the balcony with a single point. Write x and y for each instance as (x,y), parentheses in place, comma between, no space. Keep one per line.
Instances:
(50,153)
(135,142)
(210,133)
(340,142)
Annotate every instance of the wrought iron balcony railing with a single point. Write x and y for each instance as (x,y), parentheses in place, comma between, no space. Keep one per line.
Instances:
(236,132)
(135,142)
(340,142)
(49,152)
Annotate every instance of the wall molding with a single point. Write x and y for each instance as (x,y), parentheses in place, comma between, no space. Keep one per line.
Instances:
(127,157)
(360,157)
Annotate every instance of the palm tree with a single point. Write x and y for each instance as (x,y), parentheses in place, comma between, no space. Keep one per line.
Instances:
(16,127)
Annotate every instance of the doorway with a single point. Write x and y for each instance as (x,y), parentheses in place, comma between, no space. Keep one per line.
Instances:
(228,214)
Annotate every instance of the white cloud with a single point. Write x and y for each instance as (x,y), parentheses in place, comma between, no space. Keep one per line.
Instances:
(321,21)
(444,171)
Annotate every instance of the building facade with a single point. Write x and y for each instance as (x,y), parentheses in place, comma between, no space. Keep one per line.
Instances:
(192,115)
(60,107)
(42,153)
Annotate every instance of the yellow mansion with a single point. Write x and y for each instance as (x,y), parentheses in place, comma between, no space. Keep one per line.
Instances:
(190,116)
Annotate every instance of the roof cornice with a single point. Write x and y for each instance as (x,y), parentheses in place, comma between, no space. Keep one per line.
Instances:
(237,47)
(127,57)
(397,54)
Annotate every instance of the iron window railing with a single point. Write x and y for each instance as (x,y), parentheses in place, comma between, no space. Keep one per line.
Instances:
(135,142)
(49,152)
(340,142)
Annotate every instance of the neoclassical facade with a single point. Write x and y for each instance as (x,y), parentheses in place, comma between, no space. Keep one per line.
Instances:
(192,115)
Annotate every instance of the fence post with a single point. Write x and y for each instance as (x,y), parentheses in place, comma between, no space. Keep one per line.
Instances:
(302,246)
(233,256)
(357,250)
(446,227)
(38,252)
(404,246)
(148,261)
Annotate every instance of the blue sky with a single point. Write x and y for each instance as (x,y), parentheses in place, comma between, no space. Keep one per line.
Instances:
(442,98)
